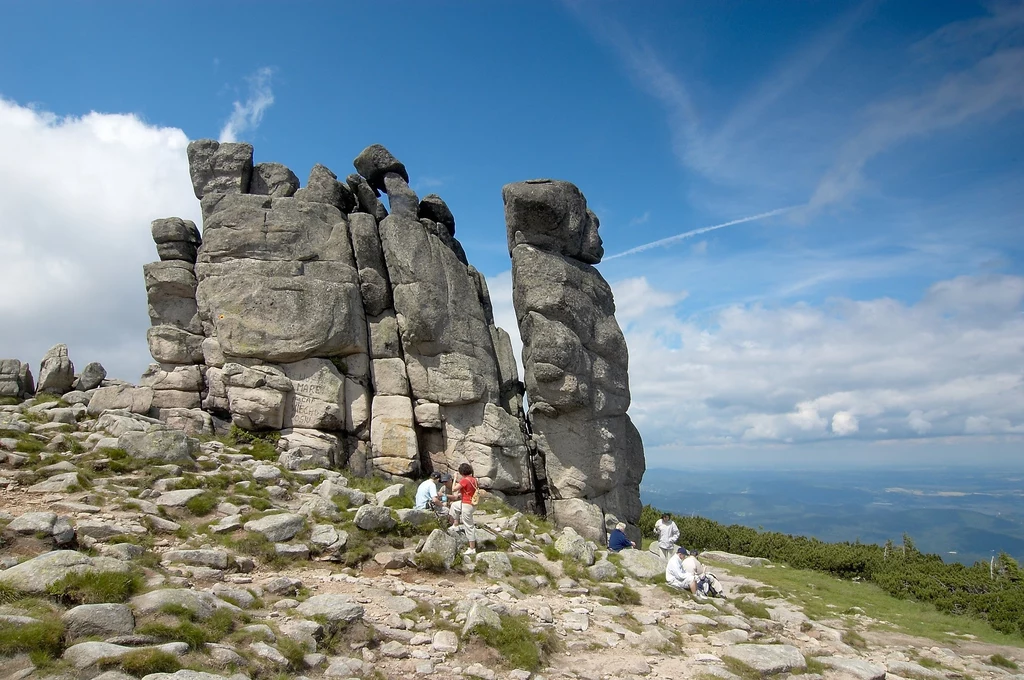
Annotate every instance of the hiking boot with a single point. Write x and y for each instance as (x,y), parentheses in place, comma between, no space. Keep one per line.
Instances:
(700,596)
(469,552)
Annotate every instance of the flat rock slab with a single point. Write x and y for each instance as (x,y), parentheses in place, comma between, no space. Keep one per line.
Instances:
(730,558)
(767,659)
(334,607)
(642,564)
(909,669)
(280,527)
(214,559)
(177,499)
(87,654)
(39,573)
(201,604)
(858,668)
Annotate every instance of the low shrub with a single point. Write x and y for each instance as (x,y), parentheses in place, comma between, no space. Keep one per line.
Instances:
(1002,662)
(623,595)
(857,641)
(524,566)
(432,562)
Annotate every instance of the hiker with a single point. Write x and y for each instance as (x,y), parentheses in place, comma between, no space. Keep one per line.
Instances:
(429,496)
(683,571)
(462,509)
(668,533)
(618,540)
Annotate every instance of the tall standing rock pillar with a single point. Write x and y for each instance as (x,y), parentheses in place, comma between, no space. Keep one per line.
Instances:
(574,356)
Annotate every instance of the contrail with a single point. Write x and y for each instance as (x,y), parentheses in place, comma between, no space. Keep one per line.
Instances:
(697,232)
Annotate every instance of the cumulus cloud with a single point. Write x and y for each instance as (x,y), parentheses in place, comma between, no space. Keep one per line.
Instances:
(79,194)
(248,115)
(946,366)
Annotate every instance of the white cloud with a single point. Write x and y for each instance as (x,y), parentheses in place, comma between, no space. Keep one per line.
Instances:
(844,423)
(246,117)
(78,197)
(947,366)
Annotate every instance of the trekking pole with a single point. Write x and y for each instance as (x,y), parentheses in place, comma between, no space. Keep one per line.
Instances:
(513,545)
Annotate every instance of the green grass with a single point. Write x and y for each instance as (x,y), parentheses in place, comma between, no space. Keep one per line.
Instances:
(143,662)
(815,591)
(854,639)
(202,505)
(96,588)
(9,401)
(44,640)
(371,484)
(1002,662)
(740,669)
(518,645)
(291,650)
(432,562)
(752,609)
(551,552)
(623,595)
(524,566)
(187,629)
(9,594)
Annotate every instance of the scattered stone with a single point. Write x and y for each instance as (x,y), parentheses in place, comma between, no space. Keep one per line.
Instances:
(101,620)
(374,518)
(277,528)
(480,615)
(334,607)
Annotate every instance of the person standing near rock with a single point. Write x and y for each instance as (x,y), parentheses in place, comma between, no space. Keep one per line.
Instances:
(668,533)
(462,509)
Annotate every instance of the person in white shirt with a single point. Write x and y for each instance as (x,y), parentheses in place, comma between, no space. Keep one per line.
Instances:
(428,496)
(683,572)
(668,533)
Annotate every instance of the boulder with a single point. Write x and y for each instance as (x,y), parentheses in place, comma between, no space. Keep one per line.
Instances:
(121,397)
(572,545)
(480,615)
(219,168)
(273,179)
(200,604)
(374,518)
(165,446)
(335,608)
(375,162)
(177,240)
(323,187)
(442,545)
(91,377)
(278,527)
(642,564)
(767,659)
(304,449)
(498,564)
(87,654)
(366,197)
(435,209)
(857,668)
(101,620)
(56,372)
(39,573)
(16,379)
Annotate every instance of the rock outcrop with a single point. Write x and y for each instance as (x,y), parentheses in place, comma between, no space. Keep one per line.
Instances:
(575,358)
(361,333)
(16,379)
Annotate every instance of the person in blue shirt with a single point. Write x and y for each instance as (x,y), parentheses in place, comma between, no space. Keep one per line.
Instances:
(618,540)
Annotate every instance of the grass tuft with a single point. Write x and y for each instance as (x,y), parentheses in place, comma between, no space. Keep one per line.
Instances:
(143,662)
(1002,662)
(44,639)
(623,595)
(519,646)
(854,639)
(96,588)
(752,609)
(202,504)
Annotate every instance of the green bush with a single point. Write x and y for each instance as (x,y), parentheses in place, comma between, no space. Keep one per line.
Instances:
(96,587)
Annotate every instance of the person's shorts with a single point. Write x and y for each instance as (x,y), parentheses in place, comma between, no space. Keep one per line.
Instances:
(689,578)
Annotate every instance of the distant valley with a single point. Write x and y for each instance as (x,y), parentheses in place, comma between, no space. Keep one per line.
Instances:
(962,514)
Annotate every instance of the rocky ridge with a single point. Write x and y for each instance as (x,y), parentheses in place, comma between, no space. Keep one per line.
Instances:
(130,549)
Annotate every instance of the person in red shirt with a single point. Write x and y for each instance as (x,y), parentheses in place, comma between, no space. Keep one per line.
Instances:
(462,509)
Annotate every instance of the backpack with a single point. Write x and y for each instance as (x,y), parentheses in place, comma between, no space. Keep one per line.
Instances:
(478,495)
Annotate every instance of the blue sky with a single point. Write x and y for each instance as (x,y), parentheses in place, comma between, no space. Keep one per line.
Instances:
(875,316)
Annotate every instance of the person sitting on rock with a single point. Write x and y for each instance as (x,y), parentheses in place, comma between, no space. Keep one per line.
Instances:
(618,540)
(668,533)
(462,509)
(683,571)
(428,494)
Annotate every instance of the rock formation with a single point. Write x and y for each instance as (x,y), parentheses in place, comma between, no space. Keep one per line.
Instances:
(574,356)
(16,379)
(361,333)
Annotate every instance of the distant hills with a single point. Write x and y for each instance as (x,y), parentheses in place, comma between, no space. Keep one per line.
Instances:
(962,515)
